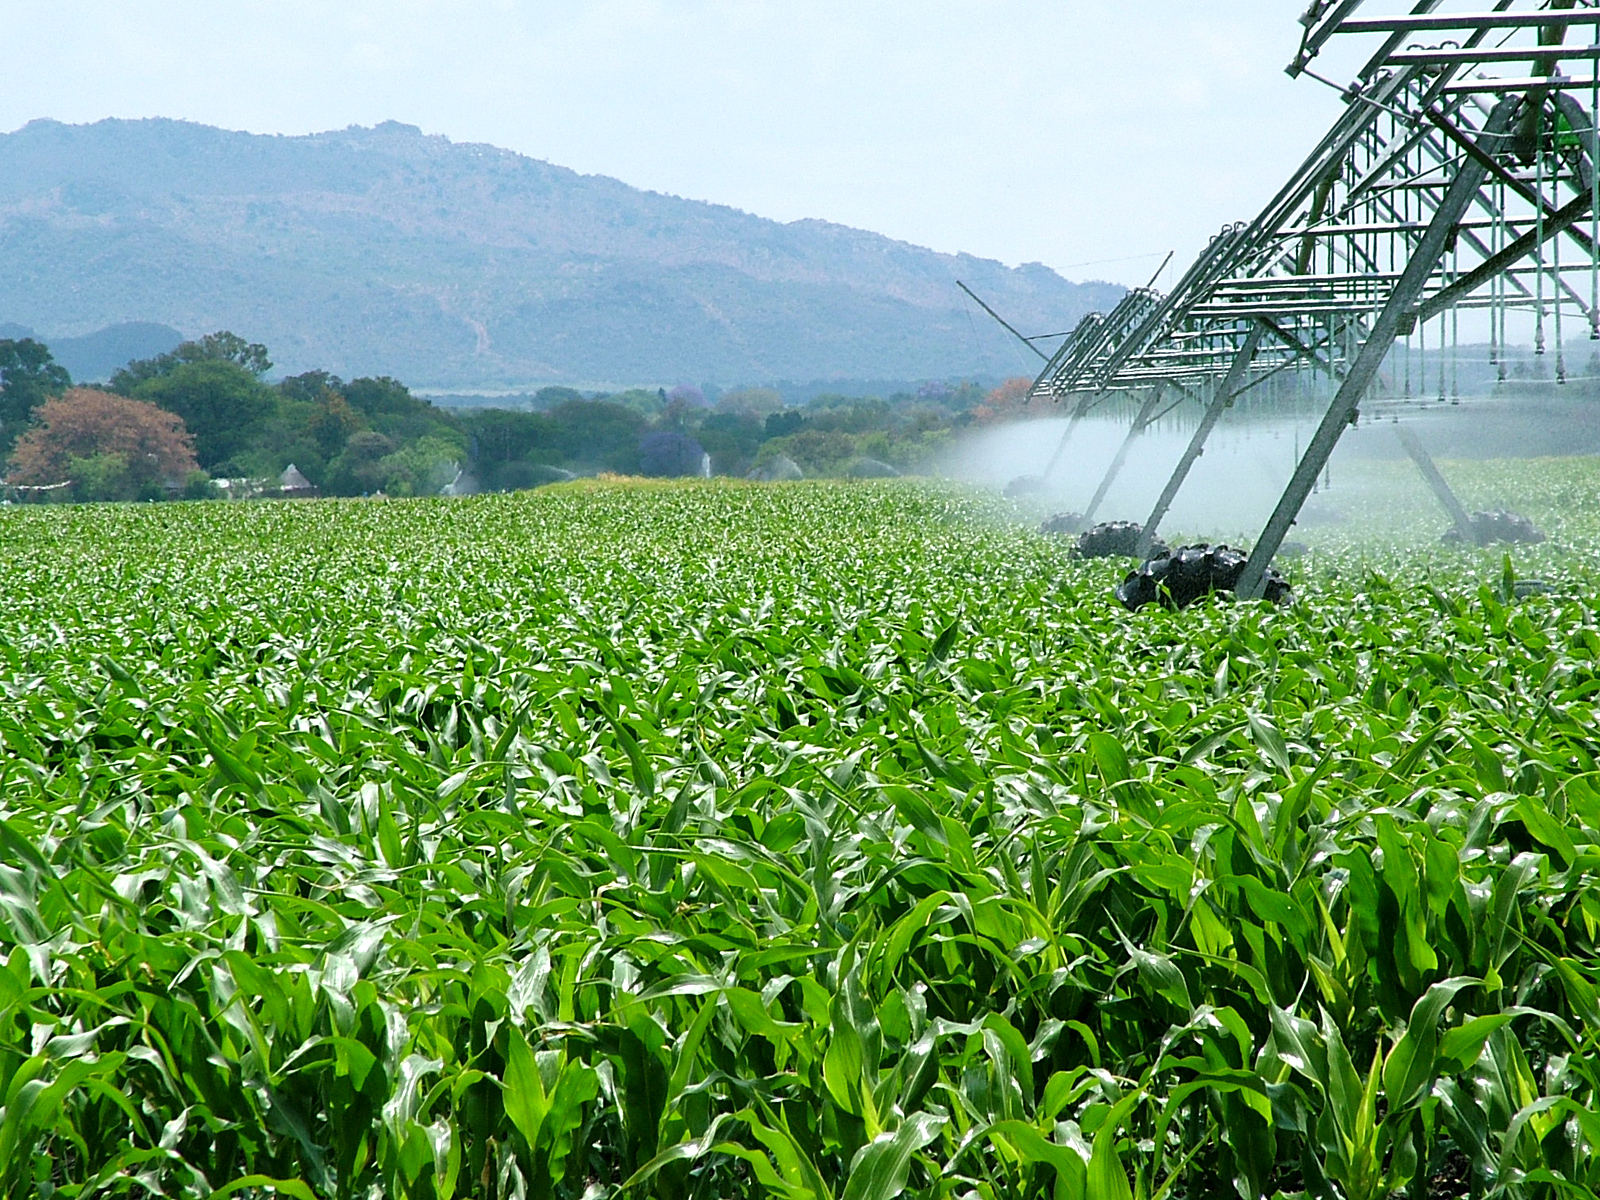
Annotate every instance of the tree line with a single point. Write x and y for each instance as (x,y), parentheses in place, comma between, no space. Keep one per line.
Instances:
(177,424)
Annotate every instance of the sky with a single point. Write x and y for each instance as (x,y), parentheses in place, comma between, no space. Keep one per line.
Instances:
(1090,135)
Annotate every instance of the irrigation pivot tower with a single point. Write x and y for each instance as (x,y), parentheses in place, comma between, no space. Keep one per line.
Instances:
(1460,175)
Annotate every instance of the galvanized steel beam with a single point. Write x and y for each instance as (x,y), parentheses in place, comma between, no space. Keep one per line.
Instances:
(1220,400)
(1341,412)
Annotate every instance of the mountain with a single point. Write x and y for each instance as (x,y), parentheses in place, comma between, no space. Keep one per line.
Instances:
(94,356)
(451,265)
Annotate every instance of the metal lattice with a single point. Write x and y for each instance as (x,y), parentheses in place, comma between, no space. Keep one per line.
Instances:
(1459,171)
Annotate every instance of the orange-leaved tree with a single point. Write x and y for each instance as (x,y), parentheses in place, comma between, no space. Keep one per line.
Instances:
(109,447)
(1008,402)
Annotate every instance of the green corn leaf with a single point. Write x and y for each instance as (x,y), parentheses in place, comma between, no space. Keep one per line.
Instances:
(1414,1060)
(281,1187)
(1107,1179)
(879,1169)
(524,1093)
(1270,741)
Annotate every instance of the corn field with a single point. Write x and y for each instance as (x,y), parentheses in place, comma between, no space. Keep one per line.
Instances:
(813,842)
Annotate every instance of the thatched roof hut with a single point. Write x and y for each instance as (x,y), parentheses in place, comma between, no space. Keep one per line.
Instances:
(293,485)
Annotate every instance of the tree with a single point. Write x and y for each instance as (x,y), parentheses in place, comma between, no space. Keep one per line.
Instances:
(1008,402)
(221,346)
(221,403)
(598,433)
(382,396)
(646,403)
(848,414)
(506,443)
(28,377)
(420,468)
(388,406)
(818,451)
(669,453)
(754,401)
(549,397)
(732,439)
(310,386)
(309,427)
(505,435)
(359,470)
(331,423)
(782,424)
(684,406)
(111,447)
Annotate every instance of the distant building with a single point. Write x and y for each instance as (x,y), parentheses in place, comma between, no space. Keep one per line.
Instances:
(292,485)
(242,488)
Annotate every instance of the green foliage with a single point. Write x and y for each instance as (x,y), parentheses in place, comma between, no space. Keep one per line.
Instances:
(503,439)
(831,841)
(598,433)
(310,387)
(381,396)
(420,468)
(106,447)
(220,347)
(102,477)
(199,486)
(782,424)
(358,470)
(732,439)
(222,404)
(388,406)
(746,428)
(647,403)
(847,414)
(337,432)
(757,402)
(373,463)
(28,377)
(819,452)
(549,397)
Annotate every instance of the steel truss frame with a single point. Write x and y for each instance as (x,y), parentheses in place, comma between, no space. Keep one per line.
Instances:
(1461,166)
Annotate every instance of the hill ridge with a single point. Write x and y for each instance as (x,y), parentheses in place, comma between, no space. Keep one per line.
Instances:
(383,249)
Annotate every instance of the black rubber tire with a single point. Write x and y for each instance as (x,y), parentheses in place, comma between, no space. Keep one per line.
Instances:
(1178,578)
(1114,539)
(1489,528)
(1062,522)
(1025,485)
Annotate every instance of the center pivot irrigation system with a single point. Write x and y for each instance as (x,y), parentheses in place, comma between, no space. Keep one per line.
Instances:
(1459,176)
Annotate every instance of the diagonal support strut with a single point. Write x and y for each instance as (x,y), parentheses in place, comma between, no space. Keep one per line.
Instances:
(1079,411)
(1342,411)
(1220,400)
(1441,490)
(1140,422)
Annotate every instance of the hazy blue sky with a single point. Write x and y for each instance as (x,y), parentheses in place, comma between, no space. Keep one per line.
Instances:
(1063,131)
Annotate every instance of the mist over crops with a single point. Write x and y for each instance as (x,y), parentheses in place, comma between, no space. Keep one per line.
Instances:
(1231,488)
(1249,458)
(827,840)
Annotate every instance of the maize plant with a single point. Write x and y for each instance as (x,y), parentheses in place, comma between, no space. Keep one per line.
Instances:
(806,842)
